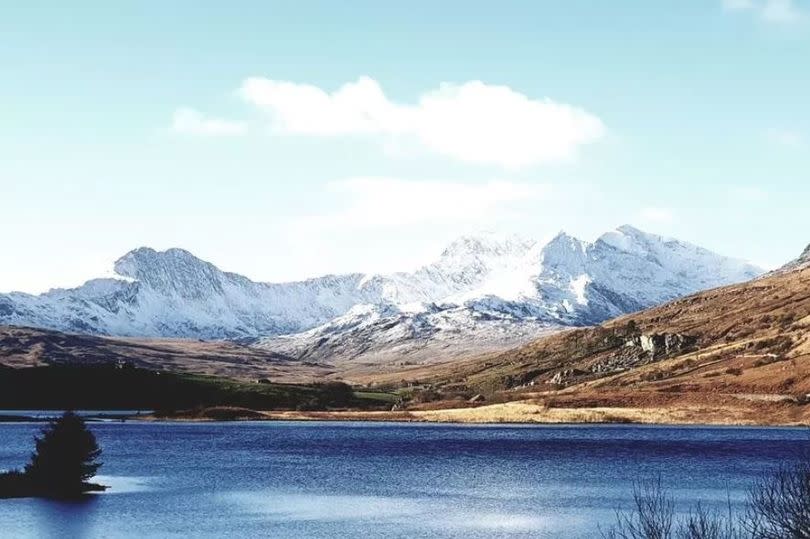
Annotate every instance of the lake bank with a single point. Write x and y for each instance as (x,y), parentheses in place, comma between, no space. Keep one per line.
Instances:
(573,407)
(718,410)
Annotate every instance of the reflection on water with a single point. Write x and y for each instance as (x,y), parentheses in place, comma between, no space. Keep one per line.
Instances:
(370,510)
(290,506)
(292,480)
(125,485)
(58,518)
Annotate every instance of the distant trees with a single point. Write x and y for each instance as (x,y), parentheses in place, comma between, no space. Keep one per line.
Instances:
(778,507)
(336,394)
(65,459)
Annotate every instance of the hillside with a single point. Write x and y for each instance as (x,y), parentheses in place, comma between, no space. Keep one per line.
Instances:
(740,353)
(29,347)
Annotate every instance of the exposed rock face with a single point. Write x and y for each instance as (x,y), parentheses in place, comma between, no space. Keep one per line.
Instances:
(566,376)
(643,349)
(662,344)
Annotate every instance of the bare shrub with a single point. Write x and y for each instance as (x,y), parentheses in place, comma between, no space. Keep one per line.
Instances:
(779,504)
(778,507)
(652,516)
(703,523)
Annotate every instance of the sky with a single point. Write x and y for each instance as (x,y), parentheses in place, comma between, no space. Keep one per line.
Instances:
(285,140)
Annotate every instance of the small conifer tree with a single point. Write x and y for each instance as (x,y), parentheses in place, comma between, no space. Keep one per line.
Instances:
(66,457)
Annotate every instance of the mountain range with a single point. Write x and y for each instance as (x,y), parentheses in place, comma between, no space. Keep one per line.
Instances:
(483,292)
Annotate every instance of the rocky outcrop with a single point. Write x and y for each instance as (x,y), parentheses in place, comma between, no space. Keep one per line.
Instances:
(565,377)
(658,345)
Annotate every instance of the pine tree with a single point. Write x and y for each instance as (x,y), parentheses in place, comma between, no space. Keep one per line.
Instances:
(65,458)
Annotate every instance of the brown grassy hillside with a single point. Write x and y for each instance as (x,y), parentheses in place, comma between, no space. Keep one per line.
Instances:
(28,347)
(738,354)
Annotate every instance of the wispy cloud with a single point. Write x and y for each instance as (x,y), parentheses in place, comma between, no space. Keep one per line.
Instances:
(774,11)
(785,137)
(391,202)
(191,122)
(657,215)
(472,122)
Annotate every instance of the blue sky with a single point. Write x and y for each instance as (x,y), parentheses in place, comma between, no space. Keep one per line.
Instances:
(284,140)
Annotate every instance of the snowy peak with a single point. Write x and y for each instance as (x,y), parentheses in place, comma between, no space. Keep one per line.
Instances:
(632,240)
(565,255)
(479,255)
(486,245)
(174,271)
(497,279)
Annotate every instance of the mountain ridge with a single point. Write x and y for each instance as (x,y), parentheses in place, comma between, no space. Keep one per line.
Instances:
(564,282)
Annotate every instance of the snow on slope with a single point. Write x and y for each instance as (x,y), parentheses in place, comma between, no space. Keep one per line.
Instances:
(174,294)
(501,294)
(385,333)
(482,289)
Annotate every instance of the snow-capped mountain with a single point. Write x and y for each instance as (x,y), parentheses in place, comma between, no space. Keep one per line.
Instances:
(482,289)
(174,294)
(485,293)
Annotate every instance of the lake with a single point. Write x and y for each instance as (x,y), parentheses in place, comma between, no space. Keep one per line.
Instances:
(298,479)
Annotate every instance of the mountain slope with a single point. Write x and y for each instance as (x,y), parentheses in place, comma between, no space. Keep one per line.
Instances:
(749,338)
(174,294)
(484,287)
(29,347)
(387,336)
(521,291)
(738,354)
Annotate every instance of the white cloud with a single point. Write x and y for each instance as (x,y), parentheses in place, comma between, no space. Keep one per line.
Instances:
(657,215)
(785,137)
(473,122)
(191,122)
(775,11)
(370,203)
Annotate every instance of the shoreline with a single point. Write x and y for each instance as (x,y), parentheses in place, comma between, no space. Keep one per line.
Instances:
(638,409)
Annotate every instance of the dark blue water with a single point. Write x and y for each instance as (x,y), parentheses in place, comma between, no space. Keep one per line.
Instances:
(292,479)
